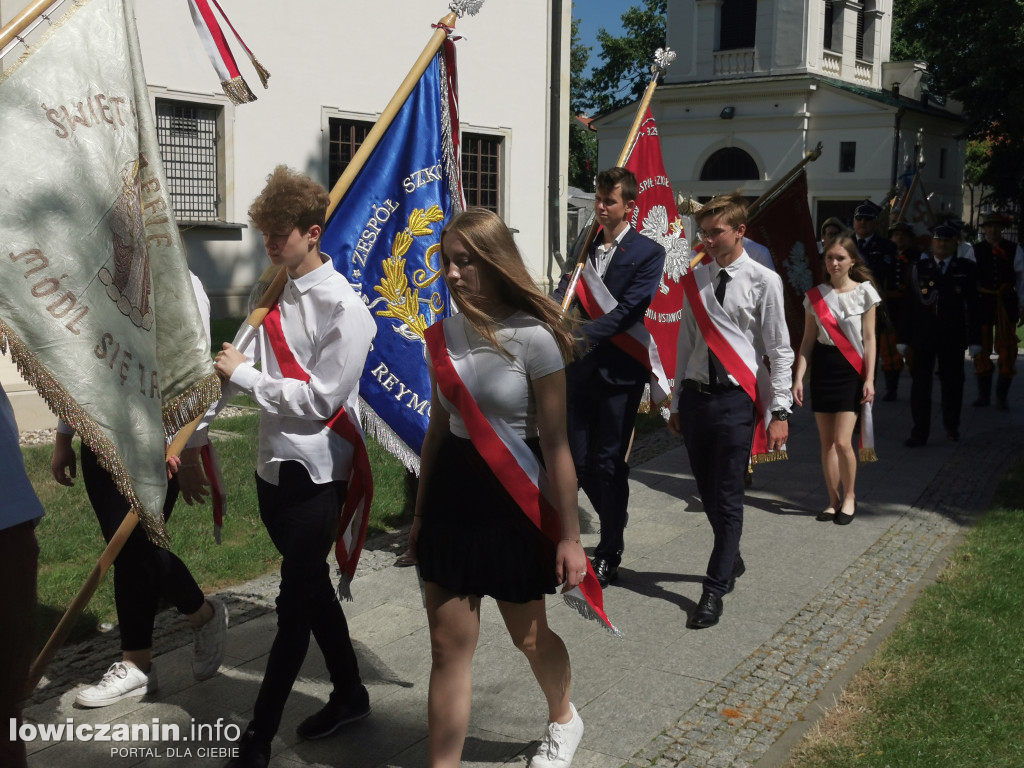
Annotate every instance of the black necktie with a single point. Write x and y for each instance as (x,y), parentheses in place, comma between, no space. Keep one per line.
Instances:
(861,244)
(713,364)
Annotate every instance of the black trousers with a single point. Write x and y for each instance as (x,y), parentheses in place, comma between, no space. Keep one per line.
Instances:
(950,357)
(302,520)
(143,572)
(19,564)
(717,431)
(601,418)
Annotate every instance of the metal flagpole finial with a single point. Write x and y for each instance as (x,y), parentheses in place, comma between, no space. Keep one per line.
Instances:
(463,8)
(663,58)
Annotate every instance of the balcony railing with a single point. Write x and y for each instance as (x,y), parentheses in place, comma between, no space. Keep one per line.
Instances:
(832,63)
(735,62)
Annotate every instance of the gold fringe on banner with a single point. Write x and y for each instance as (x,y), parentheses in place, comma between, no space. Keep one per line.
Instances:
(868,455)
(767,458)
(190,404)
(62,404)
(261,71)
(238,90)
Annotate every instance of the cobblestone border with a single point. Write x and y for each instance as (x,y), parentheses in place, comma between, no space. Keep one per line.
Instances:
(738,720)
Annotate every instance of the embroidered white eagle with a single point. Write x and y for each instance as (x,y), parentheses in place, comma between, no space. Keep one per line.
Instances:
(657,227)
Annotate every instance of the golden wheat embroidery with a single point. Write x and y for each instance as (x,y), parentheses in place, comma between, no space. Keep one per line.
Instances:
(403,300)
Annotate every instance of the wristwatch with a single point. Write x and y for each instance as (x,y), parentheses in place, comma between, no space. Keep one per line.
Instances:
(780,415)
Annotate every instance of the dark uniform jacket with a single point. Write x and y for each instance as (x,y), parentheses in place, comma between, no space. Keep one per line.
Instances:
(943,307)
(997,282)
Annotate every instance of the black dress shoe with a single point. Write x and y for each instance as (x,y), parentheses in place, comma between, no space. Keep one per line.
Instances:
(738,569)
(708,611)
(913,442)
(605,572)
(334,715)
(252,752)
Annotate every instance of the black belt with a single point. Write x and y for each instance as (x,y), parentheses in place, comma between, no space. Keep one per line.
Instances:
(708,389)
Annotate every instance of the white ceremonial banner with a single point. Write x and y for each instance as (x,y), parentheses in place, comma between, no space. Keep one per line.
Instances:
(96,303)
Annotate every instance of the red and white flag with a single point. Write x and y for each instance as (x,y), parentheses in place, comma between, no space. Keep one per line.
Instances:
(656,216)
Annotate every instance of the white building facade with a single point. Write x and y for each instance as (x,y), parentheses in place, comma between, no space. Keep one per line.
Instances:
(334,67)
(758,83)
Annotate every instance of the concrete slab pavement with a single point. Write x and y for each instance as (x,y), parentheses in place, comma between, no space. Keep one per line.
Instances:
(814,597)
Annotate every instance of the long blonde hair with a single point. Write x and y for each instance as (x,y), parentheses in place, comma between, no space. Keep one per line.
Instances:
(485,235)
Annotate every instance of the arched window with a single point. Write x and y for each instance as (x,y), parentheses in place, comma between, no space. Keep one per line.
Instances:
(738,24)
(730,164)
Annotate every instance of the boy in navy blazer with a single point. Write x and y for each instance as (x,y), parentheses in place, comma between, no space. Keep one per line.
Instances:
(605,384)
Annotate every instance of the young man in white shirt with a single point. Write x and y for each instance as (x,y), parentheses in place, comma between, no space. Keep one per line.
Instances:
(303,465)
(713,413)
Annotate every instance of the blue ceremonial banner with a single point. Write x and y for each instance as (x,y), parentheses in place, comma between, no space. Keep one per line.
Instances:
(385,238)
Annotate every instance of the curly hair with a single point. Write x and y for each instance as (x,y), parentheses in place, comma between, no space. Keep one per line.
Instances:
(289,200)
(485,235)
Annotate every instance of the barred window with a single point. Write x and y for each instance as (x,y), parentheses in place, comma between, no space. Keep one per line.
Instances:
(346,136)
(482,170)
(190,147)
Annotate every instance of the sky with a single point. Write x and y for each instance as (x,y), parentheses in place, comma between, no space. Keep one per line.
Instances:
(594,14)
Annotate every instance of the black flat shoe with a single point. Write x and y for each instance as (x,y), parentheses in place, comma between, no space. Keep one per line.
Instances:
(825,516)
(844,519)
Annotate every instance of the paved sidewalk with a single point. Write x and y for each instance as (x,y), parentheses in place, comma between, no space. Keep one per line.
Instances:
(813,596)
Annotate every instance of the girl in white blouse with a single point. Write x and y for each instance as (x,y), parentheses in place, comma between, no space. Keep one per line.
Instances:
(839,347)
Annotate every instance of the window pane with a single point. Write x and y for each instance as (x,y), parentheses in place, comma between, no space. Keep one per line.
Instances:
(481,170)
(187,135)
(346,136)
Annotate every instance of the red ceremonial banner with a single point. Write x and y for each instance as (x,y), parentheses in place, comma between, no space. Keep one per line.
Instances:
(783,225)
(656,216)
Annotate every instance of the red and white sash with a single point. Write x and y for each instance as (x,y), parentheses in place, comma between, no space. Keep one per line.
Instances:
(507,454)
(848,340)
(736,353)
(218,491)
(636,342)
(355,513)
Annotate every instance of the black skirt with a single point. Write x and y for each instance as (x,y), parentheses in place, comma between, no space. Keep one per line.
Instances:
(474,539)
(835,385)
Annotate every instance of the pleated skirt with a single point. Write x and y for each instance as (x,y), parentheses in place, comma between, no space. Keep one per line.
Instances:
(474,538)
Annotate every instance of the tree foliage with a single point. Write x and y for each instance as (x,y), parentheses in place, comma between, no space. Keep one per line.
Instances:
(625,71)
(582,141)
(975,53)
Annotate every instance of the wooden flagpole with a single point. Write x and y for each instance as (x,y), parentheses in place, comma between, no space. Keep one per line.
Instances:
(28,15)
(245,333)
(662,59)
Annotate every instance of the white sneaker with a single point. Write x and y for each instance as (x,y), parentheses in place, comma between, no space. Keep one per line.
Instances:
(559,743)
(121,681)
(208,652)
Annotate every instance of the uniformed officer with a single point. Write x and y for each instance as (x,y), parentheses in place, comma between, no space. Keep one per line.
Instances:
(894,284)
(879,253)
(943,320)
(1000,295)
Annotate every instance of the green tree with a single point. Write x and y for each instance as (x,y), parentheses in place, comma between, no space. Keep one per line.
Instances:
(582,141)
(627,59)
(975,53)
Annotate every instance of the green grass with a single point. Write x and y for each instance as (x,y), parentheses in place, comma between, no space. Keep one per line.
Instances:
(70,541)
(947,688)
